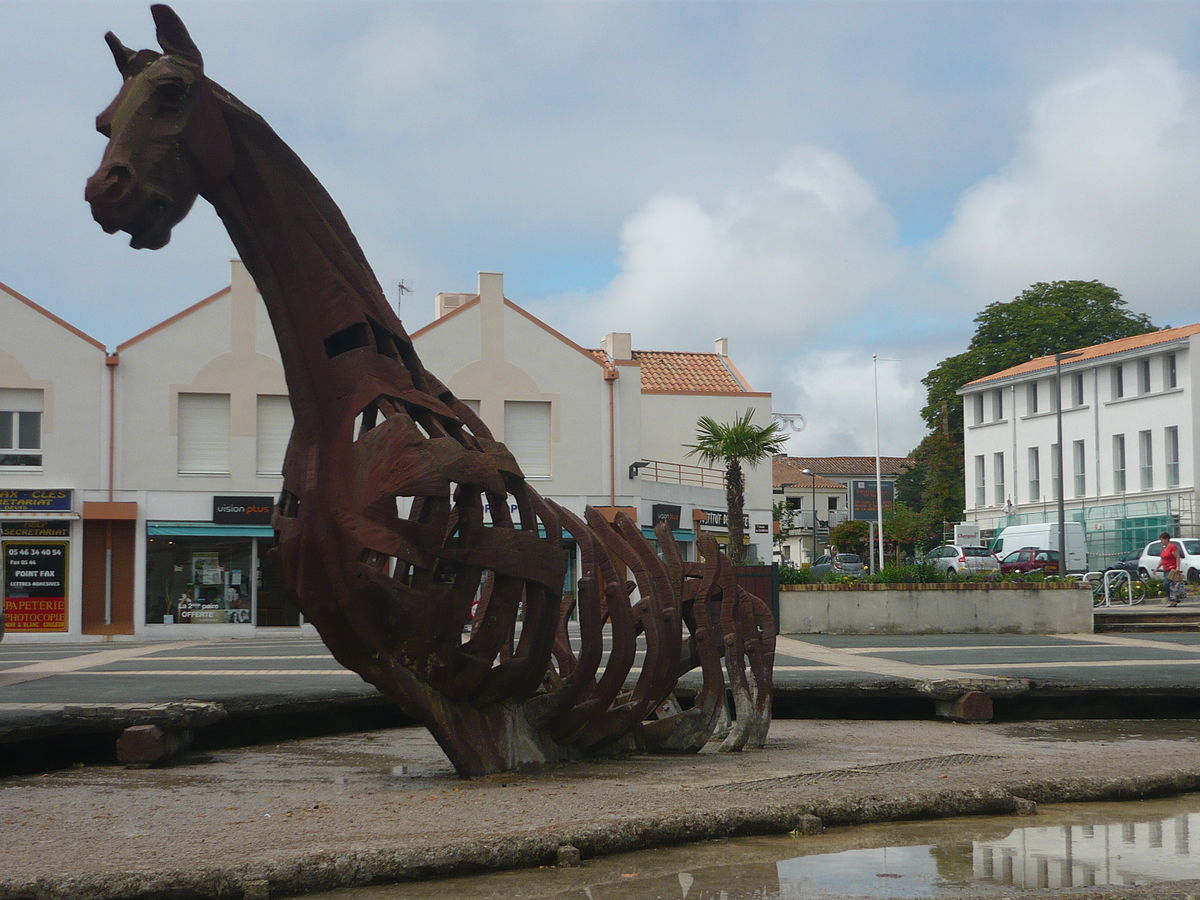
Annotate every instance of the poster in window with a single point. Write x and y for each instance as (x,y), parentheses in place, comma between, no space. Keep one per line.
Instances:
(35,586)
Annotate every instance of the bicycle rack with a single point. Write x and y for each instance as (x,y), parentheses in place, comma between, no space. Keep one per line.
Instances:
(1110,580)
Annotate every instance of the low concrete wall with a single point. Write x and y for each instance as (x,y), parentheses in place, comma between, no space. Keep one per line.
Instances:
(935,608)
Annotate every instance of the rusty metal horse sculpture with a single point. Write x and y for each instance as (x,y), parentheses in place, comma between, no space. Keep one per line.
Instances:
(390,593)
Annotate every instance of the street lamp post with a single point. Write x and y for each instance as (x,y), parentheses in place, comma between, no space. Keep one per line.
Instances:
(1058,464)
(813,475)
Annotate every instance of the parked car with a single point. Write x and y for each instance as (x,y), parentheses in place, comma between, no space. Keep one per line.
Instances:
(1127,561)
(1031,559)
(1189,558)
(849,564)
(955,560)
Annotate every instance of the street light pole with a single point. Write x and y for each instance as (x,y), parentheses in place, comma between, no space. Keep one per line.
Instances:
(813,475)
(1058,465)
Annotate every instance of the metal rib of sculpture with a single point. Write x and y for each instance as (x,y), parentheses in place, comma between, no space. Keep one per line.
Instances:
(390,590)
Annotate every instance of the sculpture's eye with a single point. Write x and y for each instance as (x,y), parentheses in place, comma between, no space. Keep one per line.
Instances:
(171,93)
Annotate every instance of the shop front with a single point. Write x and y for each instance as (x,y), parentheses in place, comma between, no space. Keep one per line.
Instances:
(217,573)
(36,549)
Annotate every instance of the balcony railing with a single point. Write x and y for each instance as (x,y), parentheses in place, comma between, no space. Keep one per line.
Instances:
(681,473)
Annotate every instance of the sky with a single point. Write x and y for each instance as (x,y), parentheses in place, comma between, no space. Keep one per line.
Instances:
(818,182)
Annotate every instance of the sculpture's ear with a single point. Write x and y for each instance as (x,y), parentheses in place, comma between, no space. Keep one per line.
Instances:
(122,55)
(173,37)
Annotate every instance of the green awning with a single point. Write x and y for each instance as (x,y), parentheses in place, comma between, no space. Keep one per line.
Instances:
(207,529)
(684,537)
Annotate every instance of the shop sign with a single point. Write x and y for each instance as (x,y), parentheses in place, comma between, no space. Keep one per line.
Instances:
(242,510)
(35,501)
(665,512)
(760,528)
(714,518)
(35,529)
(863,502)
(35,586)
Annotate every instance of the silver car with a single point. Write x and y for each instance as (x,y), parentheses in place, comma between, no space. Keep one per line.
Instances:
(955,560)
(848,564)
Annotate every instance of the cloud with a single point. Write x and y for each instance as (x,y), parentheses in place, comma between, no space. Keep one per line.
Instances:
(784,260)
(1104,185)
(835,389)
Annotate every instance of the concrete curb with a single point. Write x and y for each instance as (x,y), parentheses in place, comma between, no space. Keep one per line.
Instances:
(311,872)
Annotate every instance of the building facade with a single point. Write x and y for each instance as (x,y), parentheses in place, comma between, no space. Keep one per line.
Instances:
(1129,441)
(837,489)
(136,486)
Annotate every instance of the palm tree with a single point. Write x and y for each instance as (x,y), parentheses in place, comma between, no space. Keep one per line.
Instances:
(733,444)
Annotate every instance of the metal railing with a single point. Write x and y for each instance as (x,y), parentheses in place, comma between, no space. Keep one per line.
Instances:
(681,473)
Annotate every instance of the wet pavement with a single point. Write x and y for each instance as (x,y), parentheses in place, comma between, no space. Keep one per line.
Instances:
(349,810)
(1111,846)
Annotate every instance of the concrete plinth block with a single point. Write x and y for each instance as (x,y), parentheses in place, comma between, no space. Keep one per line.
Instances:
(1023,807)
(568,857)
(809,824)
(973,706)
(150,745)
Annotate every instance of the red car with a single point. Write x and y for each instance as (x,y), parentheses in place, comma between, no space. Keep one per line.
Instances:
(1031,559)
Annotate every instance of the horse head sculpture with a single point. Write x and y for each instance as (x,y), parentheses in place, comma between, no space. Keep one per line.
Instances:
(167,139)
(375,432)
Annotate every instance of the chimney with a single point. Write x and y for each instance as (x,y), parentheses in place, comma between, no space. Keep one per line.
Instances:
(447,303)
(721,346)
(618,345)
(491,287)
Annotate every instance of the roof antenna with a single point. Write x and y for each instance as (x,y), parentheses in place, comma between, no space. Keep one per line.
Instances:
(401,290)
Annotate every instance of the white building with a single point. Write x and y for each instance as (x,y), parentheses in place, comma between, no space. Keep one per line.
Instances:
(136,486)
(837,488)
(606,427)
(1129,429)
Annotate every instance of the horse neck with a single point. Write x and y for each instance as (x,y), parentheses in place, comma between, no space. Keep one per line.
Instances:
(312,274)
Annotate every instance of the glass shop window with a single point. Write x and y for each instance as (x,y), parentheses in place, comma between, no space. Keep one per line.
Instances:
(198,580)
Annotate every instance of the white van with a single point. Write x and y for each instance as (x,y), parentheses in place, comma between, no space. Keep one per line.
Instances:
(1044,536)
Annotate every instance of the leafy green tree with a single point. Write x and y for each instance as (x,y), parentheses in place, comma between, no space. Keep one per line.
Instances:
(734,444)
(850,537)
(905,530)
(1044,319)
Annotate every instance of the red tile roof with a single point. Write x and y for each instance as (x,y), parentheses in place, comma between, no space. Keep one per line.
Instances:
(672,372)
(786,469)
(1121,345)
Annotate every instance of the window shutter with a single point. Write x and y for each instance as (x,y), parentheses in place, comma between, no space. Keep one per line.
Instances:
(273,431)
(527,434)
(203,434)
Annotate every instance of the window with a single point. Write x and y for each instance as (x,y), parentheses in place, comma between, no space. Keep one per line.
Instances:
(980,494)
(998,405)
(20,427)
(1035,481)
(527,435)
(977,406)
(1144,375)
(273,430)
(1171,436)
(1146,446)
(1056,464)
(1077,451)
(1077,389)
(1119,463)
(998,480)
(203,434)
(1170,374)
(832,504)
(1031,401)
(1118,382)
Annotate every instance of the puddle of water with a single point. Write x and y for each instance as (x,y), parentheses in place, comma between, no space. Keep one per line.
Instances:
(1075,846)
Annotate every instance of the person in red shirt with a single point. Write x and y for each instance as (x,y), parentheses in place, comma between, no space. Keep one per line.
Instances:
(1168,563)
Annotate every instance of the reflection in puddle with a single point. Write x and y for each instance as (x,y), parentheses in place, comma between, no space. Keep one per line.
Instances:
(1082,845)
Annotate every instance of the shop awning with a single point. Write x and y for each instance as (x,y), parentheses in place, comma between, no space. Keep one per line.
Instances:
(207,529)
(679,534)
